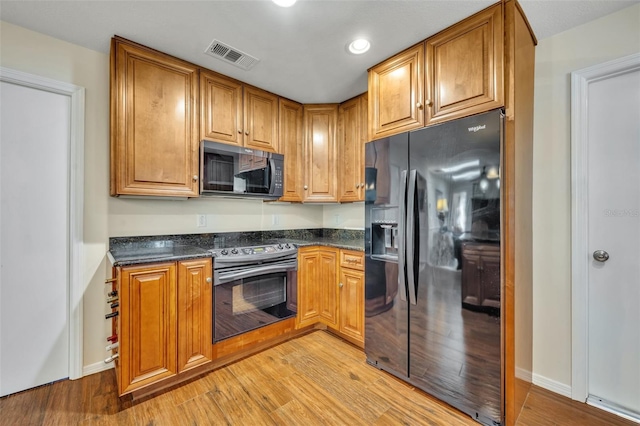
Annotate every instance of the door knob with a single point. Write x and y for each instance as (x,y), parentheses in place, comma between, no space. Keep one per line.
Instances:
(601,255)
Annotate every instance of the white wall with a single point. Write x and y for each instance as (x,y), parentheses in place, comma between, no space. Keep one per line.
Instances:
(343,216)
(607,38)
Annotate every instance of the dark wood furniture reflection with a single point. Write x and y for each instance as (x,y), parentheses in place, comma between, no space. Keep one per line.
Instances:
(481,275)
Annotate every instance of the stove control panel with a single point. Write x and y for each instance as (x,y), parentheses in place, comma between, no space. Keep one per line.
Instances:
(255,250)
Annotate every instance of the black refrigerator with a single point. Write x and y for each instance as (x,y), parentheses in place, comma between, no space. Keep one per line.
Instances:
(432,261)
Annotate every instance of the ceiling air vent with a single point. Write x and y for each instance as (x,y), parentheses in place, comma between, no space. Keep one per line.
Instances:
(229,54)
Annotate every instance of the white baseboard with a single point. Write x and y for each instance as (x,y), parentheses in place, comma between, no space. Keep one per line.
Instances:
(87,370)
(552,385)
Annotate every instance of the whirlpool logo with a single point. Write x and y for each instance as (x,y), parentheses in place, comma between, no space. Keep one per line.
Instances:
(476,128)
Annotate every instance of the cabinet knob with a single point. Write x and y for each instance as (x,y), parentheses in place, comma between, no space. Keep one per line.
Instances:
(246,133)
(305,187)
(341,285)
(195,178)
(209,280)
(357,185)
(428,102)
(419,105)
(362,185)
(240,131)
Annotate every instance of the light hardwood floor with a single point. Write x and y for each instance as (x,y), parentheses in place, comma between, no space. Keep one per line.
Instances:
(316,379)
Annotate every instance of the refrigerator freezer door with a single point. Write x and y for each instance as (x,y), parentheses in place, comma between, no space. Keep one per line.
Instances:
(386,308)
(454,345)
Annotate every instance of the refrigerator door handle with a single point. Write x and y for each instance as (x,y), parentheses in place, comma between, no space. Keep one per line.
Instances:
(402,280)
(410,236)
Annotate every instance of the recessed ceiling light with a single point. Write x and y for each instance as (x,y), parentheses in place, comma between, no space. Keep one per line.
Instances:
(359,46)
(284,3)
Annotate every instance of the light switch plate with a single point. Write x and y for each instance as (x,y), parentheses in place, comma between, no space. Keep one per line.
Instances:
(201,220)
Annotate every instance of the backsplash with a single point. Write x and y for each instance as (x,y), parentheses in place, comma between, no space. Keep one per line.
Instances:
(225,239)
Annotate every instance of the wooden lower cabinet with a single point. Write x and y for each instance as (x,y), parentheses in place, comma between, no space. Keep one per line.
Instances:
(164,321)
(147,332)
(194,313)
(352,296)
(317,286)
(331,290)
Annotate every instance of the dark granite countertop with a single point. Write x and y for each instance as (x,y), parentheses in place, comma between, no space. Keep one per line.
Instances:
(161,251)
(343,243)
(162,248)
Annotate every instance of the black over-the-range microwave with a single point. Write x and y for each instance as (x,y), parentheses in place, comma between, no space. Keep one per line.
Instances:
(237,171)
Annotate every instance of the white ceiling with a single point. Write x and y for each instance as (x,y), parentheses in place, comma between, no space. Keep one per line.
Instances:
(302,49)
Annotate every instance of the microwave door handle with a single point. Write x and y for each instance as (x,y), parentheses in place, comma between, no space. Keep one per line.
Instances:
(272,175)
(225,277)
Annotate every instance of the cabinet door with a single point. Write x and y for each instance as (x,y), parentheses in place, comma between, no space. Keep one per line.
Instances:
(147,325)
(194,313)
(154,127)
(328,287)
(320,153)
(351,151)
(396,94)
(220,109)
(490,279)
(470,279)
(260,119)
(308,294)
(291,146)
(352,303)
(465,68)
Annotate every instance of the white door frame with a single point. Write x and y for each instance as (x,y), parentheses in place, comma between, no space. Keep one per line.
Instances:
(580,81)
(76,202)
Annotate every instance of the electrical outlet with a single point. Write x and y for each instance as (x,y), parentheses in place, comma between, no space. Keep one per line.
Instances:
(201,220)
(275,219)
(336,219)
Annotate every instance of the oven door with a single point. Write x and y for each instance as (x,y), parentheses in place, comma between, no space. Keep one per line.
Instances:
(254,298)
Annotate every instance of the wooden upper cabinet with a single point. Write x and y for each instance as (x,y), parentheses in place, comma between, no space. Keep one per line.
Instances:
(291,139)
(237,114)
(220,109)
(147,325)
(260,119)
(465,67)
(154,123)
(351,149)
(396,94)
(320,182)
(194,313)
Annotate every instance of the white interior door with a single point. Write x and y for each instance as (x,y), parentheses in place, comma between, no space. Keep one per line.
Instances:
(34,230)
(614,228)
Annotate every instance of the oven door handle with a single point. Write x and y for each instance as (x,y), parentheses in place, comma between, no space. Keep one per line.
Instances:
(225,277)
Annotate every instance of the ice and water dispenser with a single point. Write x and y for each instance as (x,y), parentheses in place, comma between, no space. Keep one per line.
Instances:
(384,233)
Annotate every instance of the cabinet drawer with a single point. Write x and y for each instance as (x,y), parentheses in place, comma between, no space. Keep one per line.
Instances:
(352,259)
